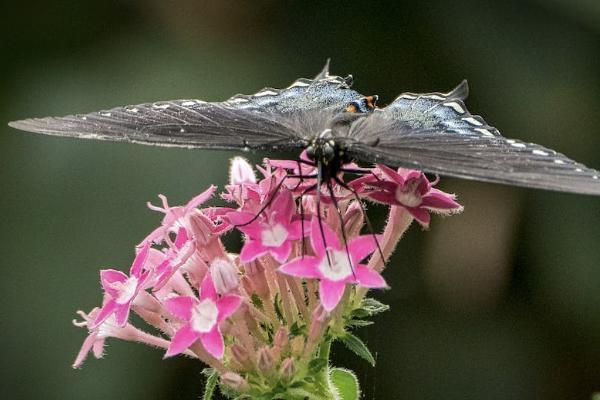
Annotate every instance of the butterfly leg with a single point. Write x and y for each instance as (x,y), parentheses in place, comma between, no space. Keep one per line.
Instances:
(364,213)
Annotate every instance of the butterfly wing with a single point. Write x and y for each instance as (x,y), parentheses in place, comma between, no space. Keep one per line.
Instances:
(435,133)
(268,119)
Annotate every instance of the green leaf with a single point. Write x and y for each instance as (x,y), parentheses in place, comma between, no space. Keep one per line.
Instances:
(212,378)
(358,347)
(370,307)
(358,323)
(345,383)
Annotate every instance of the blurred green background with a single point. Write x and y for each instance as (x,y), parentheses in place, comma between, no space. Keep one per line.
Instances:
(499,302)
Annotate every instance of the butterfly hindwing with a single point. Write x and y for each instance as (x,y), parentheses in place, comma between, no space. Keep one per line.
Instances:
(436,133)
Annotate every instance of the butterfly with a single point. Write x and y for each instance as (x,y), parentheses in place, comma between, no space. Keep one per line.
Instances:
(432,132)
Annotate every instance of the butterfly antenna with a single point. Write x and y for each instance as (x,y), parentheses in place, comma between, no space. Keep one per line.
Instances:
(364,213)
(341,218)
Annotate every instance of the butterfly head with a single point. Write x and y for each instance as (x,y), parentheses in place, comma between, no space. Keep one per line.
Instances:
(325,151)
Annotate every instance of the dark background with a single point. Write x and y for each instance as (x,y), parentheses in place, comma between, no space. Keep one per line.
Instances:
(500,302)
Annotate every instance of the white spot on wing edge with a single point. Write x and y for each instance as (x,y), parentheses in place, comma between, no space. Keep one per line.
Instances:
(557,161)
(434,97)
(265,93)
(540,152)
(298,84)
(455,106)
(472,121)
(518,145)
(188,103)
(488,133)
(106,114)
(161,106)
(407,96)
(133,110)
(238,100)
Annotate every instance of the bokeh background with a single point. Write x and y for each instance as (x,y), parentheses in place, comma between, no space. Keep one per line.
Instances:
(499,302)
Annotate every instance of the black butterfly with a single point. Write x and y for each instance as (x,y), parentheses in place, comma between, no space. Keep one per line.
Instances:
(432,132)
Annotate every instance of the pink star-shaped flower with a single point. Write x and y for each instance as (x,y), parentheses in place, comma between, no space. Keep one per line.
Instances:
(335,272)
(175,257)
(410,189)
(176,217)
(202,317)
(120,290)
(272,232)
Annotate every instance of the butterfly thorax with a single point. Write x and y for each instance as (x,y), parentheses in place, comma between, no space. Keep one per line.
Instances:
(327,154)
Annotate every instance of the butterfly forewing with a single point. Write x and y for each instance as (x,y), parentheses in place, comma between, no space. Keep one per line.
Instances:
(269,119)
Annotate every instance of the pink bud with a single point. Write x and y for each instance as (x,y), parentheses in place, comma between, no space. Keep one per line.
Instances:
(234,381)
(240,172)
(281,338)
(240,355)
(265,360)
(288,368)
(224,275)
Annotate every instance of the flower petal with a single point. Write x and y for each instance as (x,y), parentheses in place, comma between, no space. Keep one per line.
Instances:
(122,313)
(439,200)
(281,253)
(239,218)
(227,305)
(183,338)
(307,267)
(420,214)
(180,306)
(283,206)
(361,246)
(201,198)
(106,311)
(140,260)
(213,342)
(207,289)
(320,239)
(330,293)
(368,277)
(110,276)
(252,250)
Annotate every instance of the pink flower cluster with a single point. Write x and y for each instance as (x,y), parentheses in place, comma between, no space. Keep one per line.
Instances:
(300,271)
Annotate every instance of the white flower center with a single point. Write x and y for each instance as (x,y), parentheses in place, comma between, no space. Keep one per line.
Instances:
(126,290)
(408,195)
(204,316)
(274,235)
(339,267)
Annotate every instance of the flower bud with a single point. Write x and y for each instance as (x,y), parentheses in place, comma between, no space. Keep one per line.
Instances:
(297,346)
(255,271)
(288,369)
(224,275)
(240,355)
(281,338)
(353,219)
(234,381)
(241,171)
(265,360)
